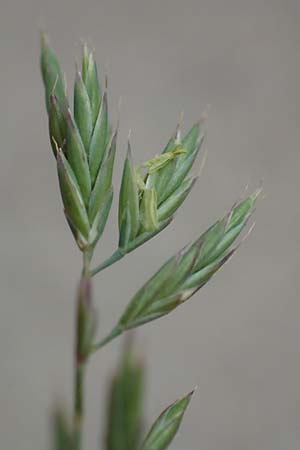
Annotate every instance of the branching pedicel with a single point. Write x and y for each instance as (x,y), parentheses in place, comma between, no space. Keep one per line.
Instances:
(84,145)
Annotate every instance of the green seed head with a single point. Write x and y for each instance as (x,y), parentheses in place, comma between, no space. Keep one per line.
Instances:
(125,402)
(166,425)
(153,197)
(83,145)
(189,270)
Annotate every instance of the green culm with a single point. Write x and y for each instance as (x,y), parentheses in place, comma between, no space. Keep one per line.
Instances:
(84,146)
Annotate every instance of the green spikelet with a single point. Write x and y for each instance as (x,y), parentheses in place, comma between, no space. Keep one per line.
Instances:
(82,144)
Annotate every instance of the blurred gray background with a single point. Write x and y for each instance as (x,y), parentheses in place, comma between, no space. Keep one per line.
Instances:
(238,339)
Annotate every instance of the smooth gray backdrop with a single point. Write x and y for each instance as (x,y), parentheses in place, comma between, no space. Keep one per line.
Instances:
(238,339)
